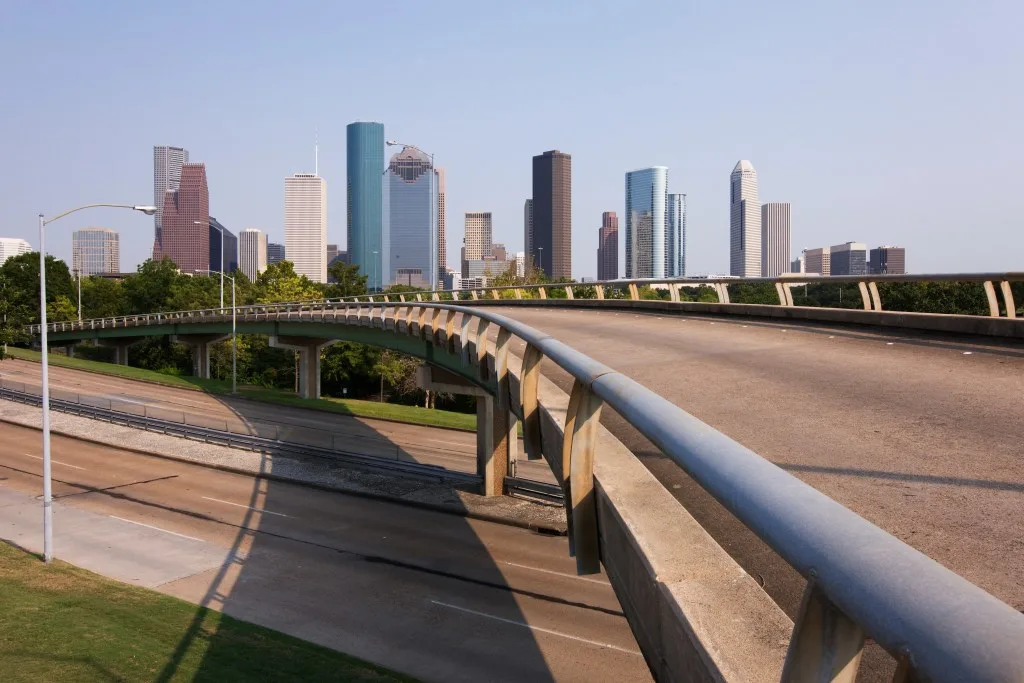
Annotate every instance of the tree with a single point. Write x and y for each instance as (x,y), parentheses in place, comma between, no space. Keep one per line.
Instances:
(149,290)
(280,283)
(344,280)
(21,287)
(103,298)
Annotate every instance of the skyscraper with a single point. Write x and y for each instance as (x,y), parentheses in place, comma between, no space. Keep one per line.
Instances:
(818,261)
(442,221)
(275,253)
(528,230)
(849,258)
(412,220)
(675,233)
(888,260)
(95,251)
(744,222)
(223,248)
(305,224)
(185,226)
(367,238)
(167,163)
(13,246)
(478,242)
(552,213)
(252,248)
(646,211)
(775,239)
(608,247)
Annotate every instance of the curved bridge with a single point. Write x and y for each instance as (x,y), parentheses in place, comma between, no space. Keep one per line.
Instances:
(693,610)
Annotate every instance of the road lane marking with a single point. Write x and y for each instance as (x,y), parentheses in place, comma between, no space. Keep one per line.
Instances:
(55,462)
(537,628)
(549,571)
(156,528)
(247,507)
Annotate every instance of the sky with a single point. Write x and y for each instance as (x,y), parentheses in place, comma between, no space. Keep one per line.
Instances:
(881,122)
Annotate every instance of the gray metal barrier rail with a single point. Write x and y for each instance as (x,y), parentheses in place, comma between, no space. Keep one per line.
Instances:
(862,582)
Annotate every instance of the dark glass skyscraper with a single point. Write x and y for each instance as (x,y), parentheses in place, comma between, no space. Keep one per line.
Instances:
(412,220)
(608,247)
(367,230)
(552,213)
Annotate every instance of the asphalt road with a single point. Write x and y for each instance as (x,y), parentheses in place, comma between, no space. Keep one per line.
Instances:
(428,445)
(436,596)
(922,436)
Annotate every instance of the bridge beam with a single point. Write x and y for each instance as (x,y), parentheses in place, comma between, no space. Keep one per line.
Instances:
(308,349)
(200,344)
(120,346)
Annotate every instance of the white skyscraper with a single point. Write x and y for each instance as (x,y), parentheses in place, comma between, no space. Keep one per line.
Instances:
(646,222)
(252,247)
(478,235)
(167,162)
(305,224)
(775,239)
(13,246)
(95,251)
(675,251)
(744,222)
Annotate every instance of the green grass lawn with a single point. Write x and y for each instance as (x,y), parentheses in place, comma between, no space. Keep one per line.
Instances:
(343,406)
(62,623)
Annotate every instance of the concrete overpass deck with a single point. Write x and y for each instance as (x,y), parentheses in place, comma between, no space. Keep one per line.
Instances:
(922,436)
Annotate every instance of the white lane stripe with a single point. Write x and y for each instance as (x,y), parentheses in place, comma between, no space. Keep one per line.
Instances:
(228,502)
(537,628)
(549,571)
(156,528)
(55,462)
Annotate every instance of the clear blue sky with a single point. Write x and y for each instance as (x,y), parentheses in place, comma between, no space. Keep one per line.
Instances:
(882,122)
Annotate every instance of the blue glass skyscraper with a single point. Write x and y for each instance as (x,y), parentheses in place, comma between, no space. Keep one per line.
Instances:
(367,230)
(646,209)
(411,198)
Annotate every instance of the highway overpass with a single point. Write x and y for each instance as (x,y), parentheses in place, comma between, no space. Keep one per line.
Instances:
(914,434)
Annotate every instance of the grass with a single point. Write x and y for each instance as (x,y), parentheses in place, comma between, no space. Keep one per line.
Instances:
(59,622)
(344,406)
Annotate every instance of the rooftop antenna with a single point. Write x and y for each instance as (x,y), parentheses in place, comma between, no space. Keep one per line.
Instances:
(316,153)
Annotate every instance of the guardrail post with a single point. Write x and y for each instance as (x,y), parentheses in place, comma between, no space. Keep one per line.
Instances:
(495,294)
(780,290)
(826,645)
(464,339)
(519,293)
(634,293)
(401,297)
(419,297)
(1011,308)
(673,292)
(473,295)
(578,444)
(993,303)
(543,292)
(529,381)
(481,347)
(449,331)
(876,298)
(600,291)
(501,350)
(421,323)
(568,292)
(434,296)
(492,435)
(864,296)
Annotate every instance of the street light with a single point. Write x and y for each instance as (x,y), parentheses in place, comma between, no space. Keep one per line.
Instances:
(375,266)
(234,336)
(207,223)
(541,250)
(47,487)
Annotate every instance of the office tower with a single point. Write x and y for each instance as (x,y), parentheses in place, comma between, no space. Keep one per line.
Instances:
(608,247)
(167,163)
(477,241)
(13,246)
(275,253)
(498,252)
(252,251)
(223,248)
(888,260)
(442,221)
(411,194)
(305,224)
(367,241)
(744,222)
(775,238)
(818,261)
(552,213)
(95,251)
(520,264)
(185,222)
(797,265)
(850,258)
(528,231)
(332,253)
(646,209)
(675,234)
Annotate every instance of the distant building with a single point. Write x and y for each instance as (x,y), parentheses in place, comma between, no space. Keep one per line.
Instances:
(185,222)
(528,228)
(305,224)
(275,253)
(850,258)
(552,213)
(451,280)
(332,253)
(744,221)
(818,261)
(608,247)
(888,260)
(442,221)
(367,242)
(675,235)
(775,238)
(167,163)
(646,209)
(520,264)
(498,252)
(95,251)
(13,246)
(797,265)
(478,243)
(252,252)
(488,267)
(226,262)
(411,219)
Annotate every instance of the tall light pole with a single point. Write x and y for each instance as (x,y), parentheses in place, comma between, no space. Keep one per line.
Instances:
(47,486)
(433,171)
(221,271)
(541,250)
(234,335)
(78,273)
(380,286)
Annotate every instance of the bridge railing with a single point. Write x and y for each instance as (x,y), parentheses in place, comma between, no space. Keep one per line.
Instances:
(862,582)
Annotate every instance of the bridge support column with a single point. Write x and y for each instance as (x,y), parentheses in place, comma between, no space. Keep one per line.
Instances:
(120,346)
(200,344)
(309,349)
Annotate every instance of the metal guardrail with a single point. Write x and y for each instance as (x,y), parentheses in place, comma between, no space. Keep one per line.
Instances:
(862,582)
(251,442)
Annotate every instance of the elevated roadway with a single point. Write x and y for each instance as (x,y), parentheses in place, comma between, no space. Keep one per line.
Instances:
(923,436)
